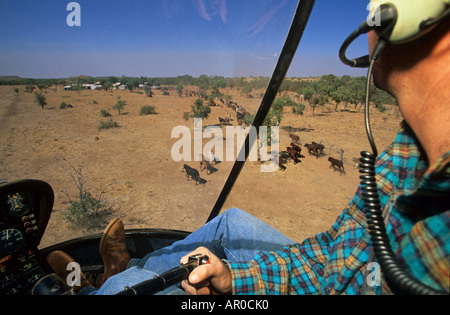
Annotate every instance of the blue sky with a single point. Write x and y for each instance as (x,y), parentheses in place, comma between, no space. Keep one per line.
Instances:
(172,37)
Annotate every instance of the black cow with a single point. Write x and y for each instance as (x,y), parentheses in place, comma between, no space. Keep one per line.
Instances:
(193,173)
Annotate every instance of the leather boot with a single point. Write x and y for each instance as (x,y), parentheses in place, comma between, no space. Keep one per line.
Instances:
(113,249)
(59,261)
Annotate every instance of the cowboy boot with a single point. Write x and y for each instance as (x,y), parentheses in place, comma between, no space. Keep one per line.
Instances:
(59,262)
(113,249)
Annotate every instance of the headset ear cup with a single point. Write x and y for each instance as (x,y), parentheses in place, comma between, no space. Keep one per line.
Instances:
(411,15)
(396,21)
(388,17)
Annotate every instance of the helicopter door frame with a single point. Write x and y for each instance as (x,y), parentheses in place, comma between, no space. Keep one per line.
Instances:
(301,18)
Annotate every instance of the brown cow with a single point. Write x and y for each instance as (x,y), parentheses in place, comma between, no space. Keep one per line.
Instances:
(296,147)
(312,149)
(293,154)
(295,138)
(336,163)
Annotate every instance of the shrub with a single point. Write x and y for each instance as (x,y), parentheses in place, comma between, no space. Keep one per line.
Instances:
(64,105)
(247,90)
(381,108)
(29,88)
(105,113)
(108,124)
(85,212)
(147,110)
(249,119)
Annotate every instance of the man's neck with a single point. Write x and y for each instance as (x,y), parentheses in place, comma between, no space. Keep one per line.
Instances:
(425,104)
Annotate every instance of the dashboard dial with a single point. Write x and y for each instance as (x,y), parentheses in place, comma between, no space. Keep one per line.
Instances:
(10,241)
(18,203)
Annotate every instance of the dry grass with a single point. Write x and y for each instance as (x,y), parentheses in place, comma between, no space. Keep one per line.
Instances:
(301,201)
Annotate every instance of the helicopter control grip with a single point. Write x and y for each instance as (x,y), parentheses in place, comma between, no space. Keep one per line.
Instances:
(166,279)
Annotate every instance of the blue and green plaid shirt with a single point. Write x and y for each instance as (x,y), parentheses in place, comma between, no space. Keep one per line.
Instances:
(417,199)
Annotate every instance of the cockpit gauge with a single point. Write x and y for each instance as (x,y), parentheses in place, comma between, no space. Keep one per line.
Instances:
(10,241)
(17,203)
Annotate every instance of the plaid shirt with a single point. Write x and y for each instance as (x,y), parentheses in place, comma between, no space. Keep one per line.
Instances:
(417,200)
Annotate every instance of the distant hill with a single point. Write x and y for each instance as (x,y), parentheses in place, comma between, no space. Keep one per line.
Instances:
(9,77)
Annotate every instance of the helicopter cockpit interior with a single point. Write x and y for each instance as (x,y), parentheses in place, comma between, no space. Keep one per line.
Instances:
(25,208)
(26,205)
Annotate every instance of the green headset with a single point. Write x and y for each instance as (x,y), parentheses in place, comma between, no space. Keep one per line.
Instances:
(395,22)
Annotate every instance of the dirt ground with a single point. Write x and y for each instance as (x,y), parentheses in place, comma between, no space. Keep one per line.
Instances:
(149,189)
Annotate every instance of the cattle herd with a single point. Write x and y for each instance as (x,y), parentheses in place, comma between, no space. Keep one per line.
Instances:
(293,152)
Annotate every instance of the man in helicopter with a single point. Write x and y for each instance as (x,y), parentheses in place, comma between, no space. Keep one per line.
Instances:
(413,174)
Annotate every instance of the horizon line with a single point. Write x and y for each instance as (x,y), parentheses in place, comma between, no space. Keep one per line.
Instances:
(16,77)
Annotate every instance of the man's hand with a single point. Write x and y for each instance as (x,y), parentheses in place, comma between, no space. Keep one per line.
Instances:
(211,278)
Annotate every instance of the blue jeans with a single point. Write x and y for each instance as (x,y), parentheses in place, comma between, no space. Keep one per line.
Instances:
(233,235)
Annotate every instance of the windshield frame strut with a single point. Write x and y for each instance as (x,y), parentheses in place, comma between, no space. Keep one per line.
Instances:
(300,20)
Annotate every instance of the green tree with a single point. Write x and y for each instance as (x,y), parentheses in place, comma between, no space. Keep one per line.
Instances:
(130,86)
(198,110)
(285,86)
(299,108)
(318,100)
(107,85)
(202,91)
(307,92)
(281,102)
(40,99)
(247,90)
(179,90)
(273,118)
(119,105)
(43,85)
(276,112)
(148,90)
(219,83)
(342,94)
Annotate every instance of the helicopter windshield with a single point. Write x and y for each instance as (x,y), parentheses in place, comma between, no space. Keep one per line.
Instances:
(138,110)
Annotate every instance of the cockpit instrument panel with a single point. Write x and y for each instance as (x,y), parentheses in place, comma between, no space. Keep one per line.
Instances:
(10,241)
(21,222)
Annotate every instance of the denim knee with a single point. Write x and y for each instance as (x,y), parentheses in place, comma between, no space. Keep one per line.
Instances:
(235,213)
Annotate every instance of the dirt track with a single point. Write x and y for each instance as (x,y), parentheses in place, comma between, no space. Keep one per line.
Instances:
(150,189)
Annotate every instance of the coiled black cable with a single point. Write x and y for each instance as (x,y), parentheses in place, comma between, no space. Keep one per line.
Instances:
(396,276)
